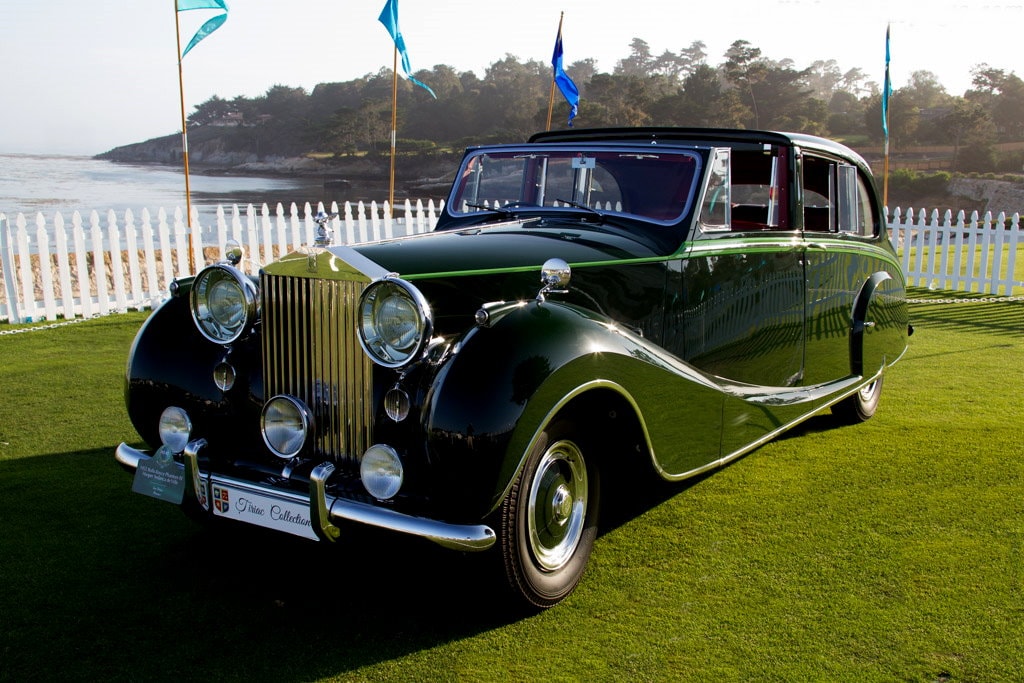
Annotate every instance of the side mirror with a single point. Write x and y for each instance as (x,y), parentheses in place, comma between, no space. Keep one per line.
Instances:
(555,275)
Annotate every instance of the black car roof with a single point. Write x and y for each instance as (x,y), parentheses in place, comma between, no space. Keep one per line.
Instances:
(695,135)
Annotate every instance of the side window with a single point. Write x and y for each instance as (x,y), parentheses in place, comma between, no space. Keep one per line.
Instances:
(756,195)
(715,210)
(819,186)
(855,211)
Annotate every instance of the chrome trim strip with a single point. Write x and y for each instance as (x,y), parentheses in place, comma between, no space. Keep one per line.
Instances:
(472,537)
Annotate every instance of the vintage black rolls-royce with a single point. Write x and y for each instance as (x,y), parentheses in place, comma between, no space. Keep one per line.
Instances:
(590,302)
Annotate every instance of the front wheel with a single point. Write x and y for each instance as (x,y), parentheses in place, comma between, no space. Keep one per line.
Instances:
(549,518)
(861,405)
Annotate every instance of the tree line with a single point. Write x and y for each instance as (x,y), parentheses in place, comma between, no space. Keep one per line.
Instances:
(744,90)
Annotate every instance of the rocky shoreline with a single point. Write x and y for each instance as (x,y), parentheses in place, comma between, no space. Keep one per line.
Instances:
(431,175)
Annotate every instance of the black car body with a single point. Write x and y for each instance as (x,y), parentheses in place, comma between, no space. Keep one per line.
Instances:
(590,302)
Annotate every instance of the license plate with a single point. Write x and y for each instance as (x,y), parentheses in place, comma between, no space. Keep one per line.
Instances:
(256,508)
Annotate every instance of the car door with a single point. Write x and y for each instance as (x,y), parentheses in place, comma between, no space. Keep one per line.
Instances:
(846,272)
(743,293)
(743,281)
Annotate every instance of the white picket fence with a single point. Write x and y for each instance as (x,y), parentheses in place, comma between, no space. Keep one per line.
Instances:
(128,263)
(976,254)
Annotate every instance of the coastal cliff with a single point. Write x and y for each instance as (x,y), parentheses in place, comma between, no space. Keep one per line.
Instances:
(214,151)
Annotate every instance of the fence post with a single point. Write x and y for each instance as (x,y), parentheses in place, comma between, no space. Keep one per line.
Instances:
(7,261)
(116,263)
(28,288)
(67,295)
(131,243)
(1013,239)
(999,228)
(360,230)
(153,293)
(45,269)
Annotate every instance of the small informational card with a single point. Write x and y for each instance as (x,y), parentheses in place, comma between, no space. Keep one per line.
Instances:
(160,477)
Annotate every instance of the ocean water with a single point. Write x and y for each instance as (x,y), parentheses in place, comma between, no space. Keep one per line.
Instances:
(49,184)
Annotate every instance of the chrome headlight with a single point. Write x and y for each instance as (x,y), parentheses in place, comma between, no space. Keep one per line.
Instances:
(285,423)
(224,303)
(394,322)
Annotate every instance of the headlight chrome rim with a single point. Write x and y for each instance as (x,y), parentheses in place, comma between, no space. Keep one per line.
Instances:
(395,322)
(224,303)
(286,424)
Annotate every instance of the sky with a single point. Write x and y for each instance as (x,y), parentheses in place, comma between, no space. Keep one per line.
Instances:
(82,77)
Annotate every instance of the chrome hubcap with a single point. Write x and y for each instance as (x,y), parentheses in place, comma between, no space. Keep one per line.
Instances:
(561,505)
(557,505)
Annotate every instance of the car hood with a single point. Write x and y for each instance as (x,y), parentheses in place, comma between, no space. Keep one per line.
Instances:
(507,247)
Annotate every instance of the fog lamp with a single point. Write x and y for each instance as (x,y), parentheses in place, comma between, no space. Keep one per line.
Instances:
(285,423)
(175,428)
(381,471)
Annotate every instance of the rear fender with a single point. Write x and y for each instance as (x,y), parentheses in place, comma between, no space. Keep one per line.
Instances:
(878,331)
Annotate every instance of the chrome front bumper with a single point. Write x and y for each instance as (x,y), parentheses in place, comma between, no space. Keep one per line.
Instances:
(325,512)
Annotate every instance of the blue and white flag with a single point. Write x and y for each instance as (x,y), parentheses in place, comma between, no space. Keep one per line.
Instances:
(210,26)
(389,17)
(562,80)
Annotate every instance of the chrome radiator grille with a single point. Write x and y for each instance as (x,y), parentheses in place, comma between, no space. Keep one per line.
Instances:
(310,351)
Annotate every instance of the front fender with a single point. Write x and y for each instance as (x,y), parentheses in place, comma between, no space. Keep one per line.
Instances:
(478,399)
(170,363)
(509,379)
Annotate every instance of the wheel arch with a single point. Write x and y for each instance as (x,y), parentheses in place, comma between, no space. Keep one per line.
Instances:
(602,405)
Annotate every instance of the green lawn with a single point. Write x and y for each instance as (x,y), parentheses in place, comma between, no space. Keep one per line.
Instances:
(888,551)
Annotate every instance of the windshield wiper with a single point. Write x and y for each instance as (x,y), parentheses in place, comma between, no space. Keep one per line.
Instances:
(496,209)
(577,205)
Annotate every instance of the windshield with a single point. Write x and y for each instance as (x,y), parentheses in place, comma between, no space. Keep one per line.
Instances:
(654,185)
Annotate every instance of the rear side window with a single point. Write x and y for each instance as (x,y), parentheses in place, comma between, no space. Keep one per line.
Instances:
(856,214)
(836,198)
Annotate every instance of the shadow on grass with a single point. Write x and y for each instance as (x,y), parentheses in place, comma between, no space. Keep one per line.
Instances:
(101,583)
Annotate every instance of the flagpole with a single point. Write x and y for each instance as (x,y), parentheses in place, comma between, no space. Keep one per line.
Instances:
(394,131)
(887,86)
(184,140)
(551,102)
(551,96)
(885,175)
